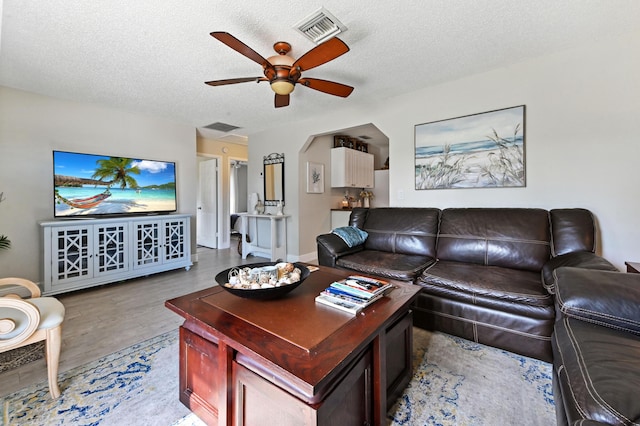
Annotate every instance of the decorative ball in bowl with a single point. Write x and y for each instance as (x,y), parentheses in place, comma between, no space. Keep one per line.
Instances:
(263,281)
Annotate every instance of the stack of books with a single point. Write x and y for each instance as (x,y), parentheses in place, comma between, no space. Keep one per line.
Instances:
(354,293)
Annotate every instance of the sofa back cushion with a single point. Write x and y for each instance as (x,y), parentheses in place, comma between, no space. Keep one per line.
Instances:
(506,237)
(573,230)
(358,217)
(400,230)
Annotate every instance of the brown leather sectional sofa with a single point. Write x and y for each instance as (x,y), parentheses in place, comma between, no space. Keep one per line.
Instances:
(484,272)
(525,280)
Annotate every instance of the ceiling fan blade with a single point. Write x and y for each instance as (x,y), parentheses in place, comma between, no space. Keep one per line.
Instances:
(321,54)
(240,47)
(281,101)
(330,87)
(234,81)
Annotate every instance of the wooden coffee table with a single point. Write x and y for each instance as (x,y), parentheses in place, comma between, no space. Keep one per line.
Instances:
(291,361)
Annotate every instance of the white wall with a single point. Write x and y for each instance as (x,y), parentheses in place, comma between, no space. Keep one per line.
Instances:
(32,126)
(582,126)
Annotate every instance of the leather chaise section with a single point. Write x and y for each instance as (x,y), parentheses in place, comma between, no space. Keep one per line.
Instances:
(597,372)
(596,347)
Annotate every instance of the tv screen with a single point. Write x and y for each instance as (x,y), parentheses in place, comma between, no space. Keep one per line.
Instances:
(102,185)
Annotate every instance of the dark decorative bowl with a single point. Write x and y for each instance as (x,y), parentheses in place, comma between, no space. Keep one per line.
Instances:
(261,293)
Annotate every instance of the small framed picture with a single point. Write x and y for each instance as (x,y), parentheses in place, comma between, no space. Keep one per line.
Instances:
(315,178)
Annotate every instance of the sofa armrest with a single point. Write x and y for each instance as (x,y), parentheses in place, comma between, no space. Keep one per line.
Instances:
(579,259)
(331,247)
(606,298)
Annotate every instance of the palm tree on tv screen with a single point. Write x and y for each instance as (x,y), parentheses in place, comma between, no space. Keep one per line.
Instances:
(118,170)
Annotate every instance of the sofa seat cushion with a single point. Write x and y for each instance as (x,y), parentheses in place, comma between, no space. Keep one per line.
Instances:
(395,266)
(504,289)
(597,371)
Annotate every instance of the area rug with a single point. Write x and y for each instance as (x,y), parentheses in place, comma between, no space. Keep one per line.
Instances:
(135,386)
(21,356)
(456,382)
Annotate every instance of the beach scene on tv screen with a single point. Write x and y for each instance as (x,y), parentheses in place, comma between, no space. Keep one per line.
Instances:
(88,184)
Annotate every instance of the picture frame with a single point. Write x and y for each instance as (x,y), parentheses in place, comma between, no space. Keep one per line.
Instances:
(315,178)
(484,150)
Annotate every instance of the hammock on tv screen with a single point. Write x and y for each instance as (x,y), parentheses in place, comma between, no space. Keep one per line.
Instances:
(85,203)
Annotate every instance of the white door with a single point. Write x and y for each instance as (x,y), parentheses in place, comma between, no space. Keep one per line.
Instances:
(207,204)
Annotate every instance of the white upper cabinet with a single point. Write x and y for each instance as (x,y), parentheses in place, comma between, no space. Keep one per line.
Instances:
(351,168)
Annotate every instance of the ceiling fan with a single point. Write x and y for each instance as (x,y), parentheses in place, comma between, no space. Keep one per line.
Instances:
(283,72)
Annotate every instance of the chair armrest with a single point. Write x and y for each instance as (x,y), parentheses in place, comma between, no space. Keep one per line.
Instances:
(19,319)
(579,259)
(29,285)
(331,247)
(605,298)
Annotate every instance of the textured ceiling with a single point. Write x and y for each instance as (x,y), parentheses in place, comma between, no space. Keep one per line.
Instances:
(153,56)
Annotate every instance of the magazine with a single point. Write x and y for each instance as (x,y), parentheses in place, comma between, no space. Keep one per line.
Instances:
(333,293)
(363,287)
(354,293)
(339,304)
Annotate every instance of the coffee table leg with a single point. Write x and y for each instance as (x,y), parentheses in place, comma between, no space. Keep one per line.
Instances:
(379,380)
(225,416)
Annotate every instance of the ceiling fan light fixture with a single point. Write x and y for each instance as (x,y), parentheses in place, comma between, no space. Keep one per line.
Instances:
(283,72)
(282,87)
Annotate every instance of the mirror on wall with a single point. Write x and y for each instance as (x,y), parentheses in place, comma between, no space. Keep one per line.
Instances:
(273,179)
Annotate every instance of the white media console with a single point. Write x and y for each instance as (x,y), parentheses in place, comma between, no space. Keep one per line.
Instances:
(85,253)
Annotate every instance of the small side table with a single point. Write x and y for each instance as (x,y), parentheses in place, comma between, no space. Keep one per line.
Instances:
(276,247)
(633,267)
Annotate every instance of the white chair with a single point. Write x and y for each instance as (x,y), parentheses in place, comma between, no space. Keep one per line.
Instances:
(26,321)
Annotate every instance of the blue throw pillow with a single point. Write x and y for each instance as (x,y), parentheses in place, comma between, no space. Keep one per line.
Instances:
(351,235)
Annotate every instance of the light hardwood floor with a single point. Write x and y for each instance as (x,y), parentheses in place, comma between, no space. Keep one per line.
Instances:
(105,319)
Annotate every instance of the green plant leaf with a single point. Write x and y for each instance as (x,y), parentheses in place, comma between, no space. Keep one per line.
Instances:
(5,243)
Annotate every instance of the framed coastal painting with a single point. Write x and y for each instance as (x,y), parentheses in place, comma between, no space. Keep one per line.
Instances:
(485,150)
(315,178)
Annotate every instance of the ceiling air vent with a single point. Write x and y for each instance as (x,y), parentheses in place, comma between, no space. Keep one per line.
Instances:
(221,127)
(320,26)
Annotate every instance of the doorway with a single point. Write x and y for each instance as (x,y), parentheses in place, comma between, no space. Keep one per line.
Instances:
(207,203)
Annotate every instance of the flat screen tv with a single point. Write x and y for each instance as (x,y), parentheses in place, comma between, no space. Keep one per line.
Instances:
(92,185)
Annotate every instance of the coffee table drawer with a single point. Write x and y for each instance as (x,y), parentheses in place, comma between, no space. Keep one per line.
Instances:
(258,401)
